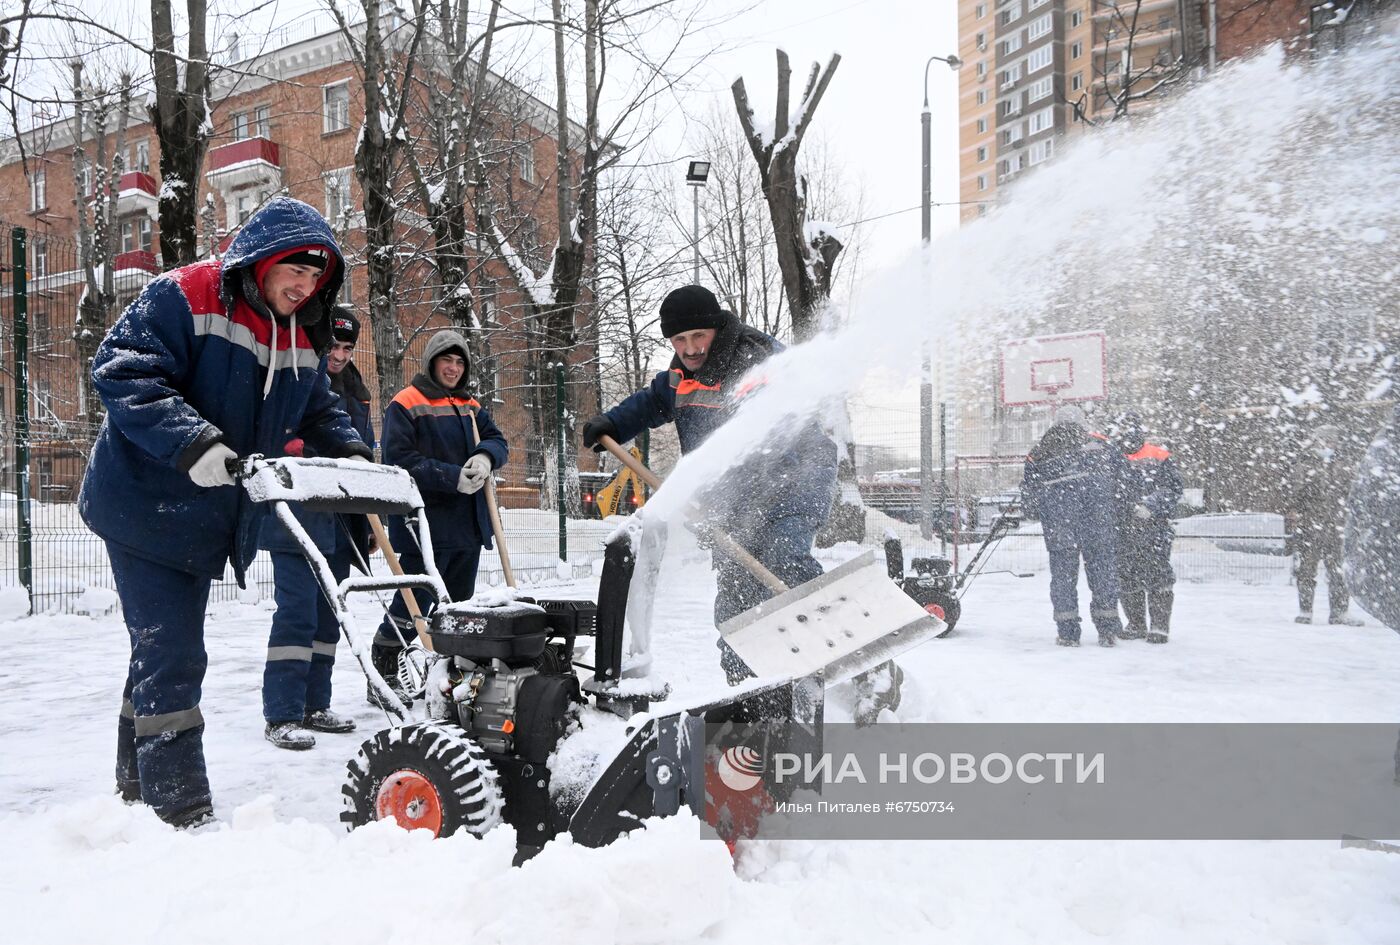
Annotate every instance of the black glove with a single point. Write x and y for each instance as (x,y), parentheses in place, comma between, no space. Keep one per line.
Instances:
(597,428)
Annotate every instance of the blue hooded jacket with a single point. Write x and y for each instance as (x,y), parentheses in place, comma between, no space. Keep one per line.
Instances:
(1074,483)
(184,368)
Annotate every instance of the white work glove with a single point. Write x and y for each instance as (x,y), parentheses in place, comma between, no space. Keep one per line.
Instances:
(211,469)
(1142,512)
(474,474)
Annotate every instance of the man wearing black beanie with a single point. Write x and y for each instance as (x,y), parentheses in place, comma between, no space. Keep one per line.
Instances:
(774,502)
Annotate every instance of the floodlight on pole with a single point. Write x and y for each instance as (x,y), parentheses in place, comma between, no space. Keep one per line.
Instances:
(926,380)
(696,174)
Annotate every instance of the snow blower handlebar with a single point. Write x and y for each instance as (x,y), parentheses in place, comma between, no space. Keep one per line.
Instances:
(722,541)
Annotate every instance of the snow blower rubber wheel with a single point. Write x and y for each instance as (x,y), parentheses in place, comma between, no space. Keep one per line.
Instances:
(424,776)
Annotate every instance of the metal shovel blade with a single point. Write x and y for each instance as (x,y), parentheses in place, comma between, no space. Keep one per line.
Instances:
(849,620)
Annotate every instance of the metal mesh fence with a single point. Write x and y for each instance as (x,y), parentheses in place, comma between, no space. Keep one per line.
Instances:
(43,541)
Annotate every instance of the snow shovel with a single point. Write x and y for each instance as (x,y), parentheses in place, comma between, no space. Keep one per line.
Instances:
(842,624)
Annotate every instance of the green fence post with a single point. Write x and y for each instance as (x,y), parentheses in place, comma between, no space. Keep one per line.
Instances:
(21,300)
(559,463)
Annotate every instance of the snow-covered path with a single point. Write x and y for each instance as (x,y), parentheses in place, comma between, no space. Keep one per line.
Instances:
(81,867)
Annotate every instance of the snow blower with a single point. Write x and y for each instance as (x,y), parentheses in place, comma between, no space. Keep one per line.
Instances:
(504,686)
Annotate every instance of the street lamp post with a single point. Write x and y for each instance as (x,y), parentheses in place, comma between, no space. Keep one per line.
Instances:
(695,176)
(926,379)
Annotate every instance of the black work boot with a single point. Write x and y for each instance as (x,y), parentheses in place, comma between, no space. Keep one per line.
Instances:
(324,720)
(289,735)
(1160,603)
(1135,607)
(385,660)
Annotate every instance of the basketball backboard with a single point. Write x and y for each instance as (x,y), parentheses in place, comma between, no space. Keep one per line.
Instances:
(1054,369)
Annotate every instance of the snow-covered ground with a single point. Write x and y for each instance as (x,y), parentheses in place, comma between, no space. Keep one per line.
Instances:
(81,867)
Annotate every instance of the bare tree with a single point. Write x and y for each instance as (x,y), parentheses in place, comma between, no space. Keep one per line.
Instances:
(376,159)
(97,219)
(1122,74)
(556,315)
(181,118)
(806,259)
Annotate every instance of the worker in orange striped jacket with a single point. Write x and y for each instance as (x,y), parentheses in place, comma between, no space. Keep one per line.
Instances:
(1152,488)
(773,503)
(428,431)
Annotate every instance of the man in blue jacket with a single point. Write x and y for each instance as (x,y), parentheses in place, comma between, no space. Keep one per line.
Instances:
(301,647)
(1072,483)
(773,503)
(211,362)
(428,431)
(1151,491)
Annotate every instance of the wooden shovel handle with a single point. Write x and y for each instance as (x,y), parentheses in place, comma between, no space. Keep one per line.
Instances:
(496,528)
(630,461)
(726,544)
(420,625)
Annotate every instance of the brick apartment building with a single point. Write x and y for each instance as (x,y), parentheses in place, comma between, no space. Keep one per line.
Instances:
(286,121)
(1034,69)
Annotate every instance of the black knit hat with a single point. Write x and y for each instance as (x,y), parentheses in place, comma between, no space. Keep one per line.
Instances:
(344,325)
(306,256)
(688,308)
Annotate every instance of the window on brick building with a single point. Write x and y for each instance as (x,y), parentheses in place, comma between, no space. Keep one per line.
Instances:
(338,206)
(1039,27)
(38,190)
(981,126)
(243,207)
(1039,89)
(1076,18)
(981,154)
(136,234)
(1076,50)
(1077,82)
(981,181)
(1039,59)
(336,110)
(262,122)
(981,10)
(526,162)
(239,123)
(143,157)
(41,258)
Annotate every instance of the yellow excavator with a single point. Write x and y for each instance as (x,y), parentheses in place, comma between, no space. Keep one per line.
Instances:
(624,493)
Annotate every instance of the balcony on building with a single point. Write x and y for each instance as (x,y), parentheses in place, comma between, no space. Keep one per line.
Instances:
(250,162)
(1108,9)
(137,259)
(136,193)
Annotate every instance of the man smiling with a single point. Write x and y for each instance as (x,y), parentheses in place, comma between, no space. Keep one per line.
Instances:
(213,361)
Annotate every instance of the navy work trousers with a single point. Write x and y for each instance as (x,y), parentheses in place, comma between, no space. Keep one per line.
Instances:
(1101,567)
(160,732)
(301,647)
